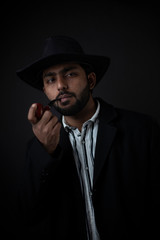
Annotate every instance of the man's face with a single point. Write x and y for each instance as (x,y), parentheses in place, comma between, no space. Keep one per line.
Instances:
(68,84)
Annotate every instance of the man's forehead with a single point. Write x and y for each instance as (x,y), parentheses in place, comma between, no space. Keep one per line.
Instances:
(61,66)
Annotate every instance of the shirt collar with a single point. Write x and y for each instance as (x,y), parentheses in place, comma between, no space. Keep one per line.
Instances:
(92,119)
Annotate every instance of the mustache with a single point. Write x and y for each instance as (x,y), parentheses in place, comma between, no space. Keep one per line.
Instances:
(59,97)
(62,93)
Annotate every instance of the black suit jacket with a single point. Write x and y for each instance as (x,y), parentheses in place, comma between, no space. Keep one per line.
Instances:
(126,182)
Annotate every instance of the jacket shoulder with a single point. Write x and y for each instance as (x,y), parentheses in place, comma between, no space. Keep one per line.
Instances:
(128,118)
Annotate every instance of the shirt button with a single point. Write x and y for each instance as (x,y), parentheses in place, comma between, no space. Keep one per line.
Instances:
(83,141)
(90,194)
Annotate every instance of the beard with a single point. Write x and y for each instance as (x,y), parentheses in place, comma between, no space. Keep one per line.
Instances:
(80,103)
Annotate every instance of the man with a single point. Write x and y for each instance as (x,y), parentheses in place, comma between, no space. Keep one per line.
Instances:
(92,173)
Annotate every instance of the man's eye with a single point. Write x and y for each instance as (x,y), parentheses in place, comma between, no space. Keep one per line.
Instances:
(72,74)
(51,80)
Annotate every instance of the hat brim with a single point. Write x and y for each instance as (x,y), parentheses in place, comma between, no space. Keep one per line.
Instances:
(31,73)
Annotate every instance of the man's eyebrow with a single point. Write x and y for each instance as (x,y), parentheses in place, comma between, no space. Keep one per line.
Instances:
(49,74)
(64,70)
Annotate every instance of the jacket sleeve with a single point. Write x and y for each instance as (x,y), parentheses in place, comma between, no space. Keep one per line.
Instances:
(33,194)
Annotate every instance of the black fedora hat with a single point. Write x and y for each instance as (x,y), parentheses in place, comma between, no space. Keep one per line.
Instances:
(59,49)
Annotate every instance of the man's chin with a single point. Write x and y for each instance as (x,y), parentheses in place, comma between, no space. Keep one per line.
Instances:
(67,109)
(64,103)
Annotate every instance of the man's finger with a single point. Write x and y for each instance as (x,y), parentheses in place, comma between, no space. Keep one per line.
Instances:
(56,129)
(31,114)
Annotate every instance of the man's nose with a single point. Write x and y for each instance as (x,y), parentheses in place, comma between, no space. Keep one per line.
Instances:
(61,83)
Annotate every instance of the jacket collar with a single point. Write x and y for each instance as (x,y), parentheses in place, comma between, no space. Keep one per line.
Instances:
(105,137)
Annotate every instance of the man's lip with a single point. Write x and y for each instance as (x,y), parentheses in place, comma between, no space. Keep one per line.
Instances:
(65,96)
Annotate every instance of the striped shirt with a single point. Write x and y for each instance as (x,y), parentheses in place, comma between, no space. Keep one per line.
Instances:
(83,145)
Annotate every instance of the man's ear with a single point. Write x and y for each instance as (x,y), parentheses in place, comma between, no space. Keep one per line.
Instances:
(92,80)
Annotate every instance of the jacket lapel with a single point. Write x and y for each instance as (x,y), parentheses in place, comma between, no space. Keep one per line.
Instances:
(64,141)
(69,162)
(105,137)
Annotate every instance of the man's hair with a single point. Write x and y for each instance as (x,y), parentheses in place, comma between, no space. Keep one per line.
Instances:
(87,68)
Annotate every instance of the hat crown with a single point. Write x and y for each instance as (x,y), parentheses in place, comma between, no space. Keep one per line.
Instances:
(60,49)
(61,45)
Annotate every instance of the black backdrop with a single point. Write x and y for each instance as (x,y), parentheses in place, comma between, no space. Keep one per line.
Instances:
(126,32)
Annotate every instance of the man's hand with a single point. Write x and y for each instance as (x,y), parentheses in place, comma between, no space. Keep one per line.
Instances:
(47,129)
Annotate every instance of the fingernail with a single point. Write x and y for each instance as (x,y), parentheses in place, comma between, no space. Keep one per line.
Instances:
(33,105)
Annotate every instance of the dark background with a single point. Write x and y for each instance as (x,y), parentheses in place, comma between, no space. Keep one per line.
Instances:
(126,31)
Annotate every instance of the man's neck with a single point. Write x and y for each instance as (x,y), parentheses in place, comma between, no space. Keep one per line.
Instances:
(80,118)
